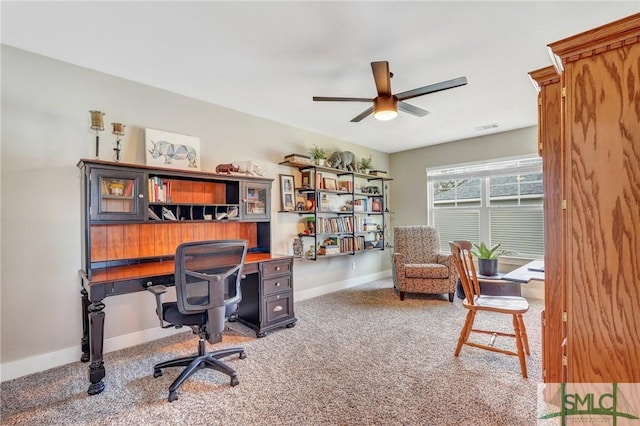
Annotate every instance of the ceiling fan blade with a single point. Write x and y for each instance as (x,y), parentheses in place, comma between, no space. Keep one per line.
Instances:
(338,99)
(432,88)
(413,110)
(362,115)
(382,77)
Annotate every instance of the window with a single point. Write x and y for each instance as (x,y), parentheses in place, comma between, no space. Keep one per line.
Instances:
(498,202)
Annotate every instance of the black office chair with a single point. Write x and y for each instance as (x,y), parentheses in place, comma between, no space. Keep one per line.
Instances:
(207,281)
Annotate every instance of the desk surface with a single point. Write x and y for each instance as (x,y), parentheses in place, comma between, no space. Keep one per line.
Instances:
(151,269)
(532,271)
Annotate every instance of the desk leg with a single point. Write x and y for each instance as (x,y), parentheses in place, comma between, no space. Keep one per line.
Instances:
(96,338)
(84,342)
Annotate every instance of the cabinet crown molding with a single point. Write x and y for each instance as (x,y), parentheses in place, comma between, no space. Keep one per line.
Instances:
(606,37)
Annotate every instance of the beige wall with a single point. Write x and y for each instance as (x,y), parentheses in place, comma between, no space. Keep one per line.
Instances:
(409,186)
(409,171)
(45,131)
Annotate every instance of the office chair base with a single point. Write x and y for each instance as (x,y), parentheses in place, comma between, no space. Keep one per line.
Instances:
(198,362)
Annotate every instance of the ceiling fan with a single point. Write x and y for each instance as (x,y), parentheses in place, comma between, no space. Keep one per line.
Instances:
(386,105)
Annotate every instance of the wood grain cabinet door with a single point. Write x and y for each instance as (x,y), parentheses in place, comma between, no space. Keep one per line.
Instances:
(601,80)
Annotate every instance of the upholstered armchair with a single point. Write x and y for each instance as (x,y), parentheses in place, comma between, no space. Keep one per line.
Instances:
(418,266)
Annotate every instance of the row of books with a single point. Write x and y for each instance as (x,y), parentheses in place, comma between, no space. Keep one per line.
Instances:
(340,224)
(352,244)
(334,224)
(159,190)
(343,245)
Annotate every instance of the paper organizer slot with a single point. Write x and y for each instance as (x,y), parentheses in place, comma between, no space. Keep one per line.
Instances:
(182,212)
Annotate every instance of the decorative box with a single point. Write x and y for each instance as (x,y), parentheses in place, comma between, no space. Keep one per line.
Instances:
(298,158)
(325,250)
(380,173)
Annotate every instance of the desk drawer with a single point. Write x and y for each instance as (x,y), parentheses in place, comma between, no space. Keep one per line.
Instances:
(277,267)
(250,268)
(278,308)
(276,285)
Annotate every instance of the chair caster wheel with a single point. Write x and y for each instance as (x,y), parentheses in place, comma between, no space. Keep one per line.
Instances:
(173,396)
(261,335)
(235,381)
(157,373)
(243,355)
(293,324)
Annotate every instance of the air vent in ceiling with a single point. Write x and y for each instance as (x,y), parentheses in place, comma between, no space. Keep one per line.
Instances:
(486,127)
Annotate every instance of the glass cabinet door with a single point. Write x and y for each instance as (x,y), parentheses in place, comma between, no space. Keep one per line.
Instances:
(116,195)
(255,201)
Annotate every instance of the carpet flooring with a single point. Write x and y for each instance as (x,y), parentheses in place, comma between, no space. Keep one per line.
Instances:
(355,357)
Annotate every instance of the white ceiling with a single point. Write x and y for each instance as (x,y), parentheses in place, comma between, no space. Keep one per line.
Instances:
(270,58)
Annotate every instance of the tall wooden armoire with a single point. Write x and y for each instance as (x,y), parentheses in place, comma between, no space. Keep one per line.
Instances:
(589,125)
(551,149)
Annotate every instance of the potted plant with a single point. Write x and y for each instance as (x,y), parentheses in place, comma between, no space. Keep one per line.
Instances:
(318,155)
(365,165)
(487,258)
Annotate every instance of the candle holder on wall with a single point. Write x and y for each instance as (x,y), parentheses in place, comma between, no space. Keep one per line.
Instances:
(118,130)
(98,125)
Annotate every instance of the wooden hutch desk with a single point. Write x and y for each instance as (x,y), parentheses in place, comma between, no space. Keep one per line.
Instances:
(134,218)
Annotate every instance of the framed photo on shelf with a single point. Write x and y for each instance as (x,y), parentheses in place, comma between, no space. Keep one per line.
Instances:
(330,184)
(345,185)
(376,205)
(307,179)
(287,198)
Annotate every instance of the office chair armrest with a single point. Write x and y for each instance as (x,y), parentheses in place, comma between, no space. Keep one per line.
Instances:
(158,291)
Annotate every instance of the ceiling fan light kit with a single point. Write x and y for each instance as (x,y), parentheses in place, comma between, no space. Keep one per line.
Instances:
(385,105)
(385,108)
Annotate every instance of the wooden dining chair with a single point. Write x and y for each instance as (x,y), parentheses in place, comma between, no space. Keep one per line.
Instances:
(475,302)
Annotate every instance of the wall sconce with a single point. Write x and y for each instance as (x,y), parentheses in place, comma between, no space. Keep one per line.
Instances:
(118,130)
(98,126)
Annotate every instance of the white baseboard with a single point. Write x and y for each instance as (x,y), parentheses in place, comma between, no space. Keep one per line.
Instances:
(340,285)
(23,367)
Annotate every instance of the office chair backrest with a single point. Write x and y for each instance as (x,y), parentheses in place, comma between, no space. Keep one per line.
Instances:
(463,259)
(208,274)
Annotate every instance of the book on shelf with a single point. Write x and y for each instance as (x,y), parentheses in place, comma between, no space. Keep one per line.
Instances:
(128,190)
